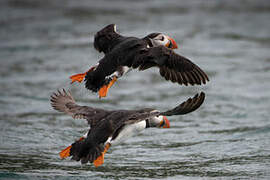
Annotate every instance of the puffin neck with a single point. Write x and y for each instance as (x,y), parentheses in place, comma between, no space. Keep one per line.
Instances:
(148,41)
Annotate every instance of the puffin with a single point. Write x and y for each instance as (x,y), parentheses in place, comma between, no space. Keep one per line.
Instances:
(111,127)
(122,54)
(112,44)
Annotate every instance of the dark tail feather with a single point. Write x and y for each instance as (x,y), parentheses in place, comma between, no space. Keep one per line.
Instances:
(93,83)
(186,107)
(80,151)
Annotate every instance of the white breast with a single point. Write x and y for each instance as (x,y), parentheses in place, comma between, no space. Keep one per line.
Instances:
(124,70)
(128,131)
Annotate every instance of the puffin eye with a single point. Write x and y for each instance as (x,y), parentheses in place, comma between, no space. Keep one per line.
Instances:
(162,38)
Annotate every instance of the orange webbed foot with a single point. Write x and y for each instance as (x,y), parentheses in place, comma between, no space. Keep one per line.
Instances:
(66,152)
(105,89)
(77,77)
(100,160)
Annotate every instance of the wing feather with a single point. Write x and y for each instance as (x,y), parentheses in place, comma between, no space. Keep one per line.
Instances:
(185,107)
(188,106)
(173,67)
(63,101)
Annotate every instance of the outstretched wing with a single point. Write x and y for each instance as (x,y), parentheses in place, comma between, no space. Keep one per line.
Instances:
(107,38)
(185,107)
(172,66)
(63,101)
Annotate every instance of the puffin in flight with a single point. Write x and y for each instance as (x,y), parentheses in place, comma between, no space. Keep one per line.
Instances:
(105,41)
(125,53)
(108,128)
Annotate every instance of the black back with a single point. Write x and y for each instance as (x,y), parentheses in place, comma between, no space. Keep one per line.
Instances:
(122,54)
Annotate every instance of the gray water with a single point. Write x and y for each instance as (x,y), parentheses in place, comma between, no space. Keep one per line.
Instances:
(44,42)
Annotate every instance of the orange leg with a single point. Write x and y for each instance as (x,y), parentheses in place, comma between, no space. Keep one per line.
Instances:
(100,160)
(66,152)
(104,89)
(79,77)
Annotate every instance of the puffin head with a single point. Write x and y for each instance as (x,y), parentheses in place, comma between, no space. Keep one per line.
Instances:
(158,39)
(104,37)
(159,121)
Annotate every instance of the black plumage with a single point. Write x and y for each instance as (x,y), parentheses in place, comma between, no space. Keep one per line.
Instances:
(105,123)
(139,53)
(171,66)
(121,55)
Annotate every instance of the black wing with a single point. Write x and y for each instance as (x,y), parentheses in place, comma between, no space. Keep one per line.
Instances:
(172,66)
(63,101)
(92,147)
(185,107)
(107,38)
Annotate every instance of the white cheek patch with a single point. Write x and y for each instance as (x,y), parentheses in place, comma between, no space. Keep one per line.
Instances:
(166,41)
(160,43)
(157,120)
(160,118)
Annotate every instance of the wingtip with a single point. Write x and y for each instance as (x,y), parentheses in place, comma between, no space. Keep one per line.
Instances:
(60,98)
(188,106)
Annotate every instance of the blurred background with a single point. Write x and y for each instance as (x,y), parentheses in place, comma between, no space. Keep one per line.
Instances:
(44,42)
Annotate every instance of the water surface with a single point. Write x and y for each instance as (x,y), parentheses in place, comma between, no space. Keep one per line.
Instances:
(44,42)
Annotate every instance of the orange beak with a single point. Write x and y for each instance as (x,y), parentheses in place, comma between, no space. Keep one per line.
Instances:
(171,44)
(165,122)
